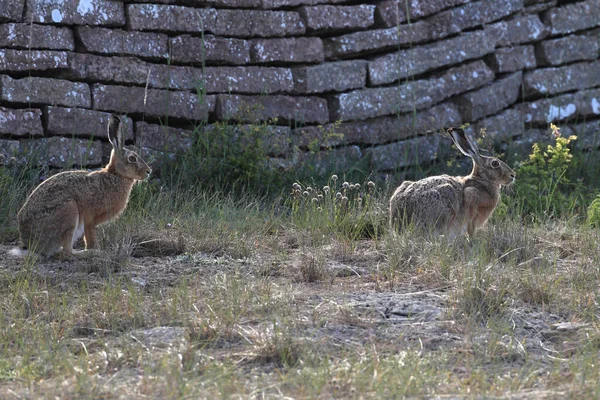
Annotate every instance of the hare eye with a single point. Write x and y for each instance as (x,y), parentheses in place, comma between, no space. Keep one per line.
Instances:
(132,159)
(495,163)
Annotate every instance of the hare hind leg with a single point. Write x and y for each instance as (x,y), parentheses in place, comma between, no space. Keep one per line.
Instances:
(68,228)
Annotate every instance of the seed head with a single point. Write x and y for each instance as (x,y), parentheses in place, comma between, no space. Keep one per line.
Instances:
(314,200)
(344,199)
(326,189)
(338,196)
(371,184)
(305,193)
(12,160)
(296,186)
(334,178)
(345,185)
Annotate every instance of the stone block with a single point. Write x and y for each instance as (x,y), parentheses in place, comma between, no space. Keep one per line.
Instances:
(419,150)
(330,77)
(21,122)
(501,127)
(366,42)
(408,97)
(538,6)
(34,36)
(326,18)
(189,49)
(62,152)
(520,147)
(235,3)
(384,129)
(119,42)
(588,134)
(284,3)
(129,70)
(11,10)
(153,102)
(166,1)
(518,30)
(568,107)
(422,8)
(410,62)
(274,140)
(164,138)
(294,3)
(221,22)
(97,68)
(307,110)
(290,50)
(76,12)
(31,60)
(568,49)
(551,81)
(44,91)
(170,18)
(318,137)
(573,17)
(491,98)
(9,148)
(257,23)
(390,13)
(471,15)
(332,161)
(249,80)
(511,59)
(80,122)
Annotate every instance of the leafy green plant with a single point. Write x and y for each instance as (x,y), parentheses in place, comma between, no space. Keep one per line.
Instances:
(593,217)
(543,186)
(226,156)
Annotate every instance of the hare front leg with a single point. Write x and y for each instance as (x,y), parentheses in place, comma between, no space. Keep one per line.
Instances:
(91,242)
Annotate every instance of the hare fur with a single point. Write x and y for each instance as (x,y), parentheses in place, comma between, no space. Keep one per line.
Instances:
(452,204)
(72,203)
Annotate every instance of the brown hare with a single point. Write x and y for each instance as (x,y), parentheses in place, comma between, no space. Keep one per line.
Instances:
(72,203)
(451,205)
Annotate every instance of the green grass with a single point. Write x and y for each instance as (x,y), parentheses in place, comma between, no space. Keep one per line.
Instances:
(295,298)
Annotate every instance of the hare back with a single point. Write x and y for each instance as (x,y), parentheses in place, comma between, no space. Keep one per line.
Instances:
(99,196)
(433,203)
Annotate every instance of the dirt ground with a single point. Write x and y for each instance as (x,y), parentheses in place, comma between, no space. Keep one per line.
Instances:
(352,309)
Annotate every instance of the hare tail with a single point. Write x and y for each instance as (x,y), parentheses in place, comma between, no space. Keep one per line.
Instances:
(18,252)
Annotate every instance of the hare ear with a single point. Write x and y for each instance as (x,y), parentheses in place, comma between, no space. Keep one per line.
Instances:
(115,136)
(464,143)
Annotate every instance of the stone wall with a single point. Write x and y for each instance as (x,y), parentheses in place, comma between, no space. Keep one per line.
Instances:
(392,71)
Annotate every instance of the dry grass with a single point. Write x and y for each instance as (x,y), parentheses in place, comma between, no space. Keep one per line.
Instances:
(212,298)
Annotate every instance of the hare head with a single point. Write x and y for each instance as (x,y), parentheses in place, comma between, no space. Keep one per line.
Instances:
(124,162)
(490,169)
